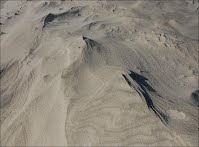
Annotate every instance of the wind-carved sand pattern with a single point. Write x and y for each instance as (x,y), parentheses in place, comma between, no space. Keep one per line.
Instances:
(99,73)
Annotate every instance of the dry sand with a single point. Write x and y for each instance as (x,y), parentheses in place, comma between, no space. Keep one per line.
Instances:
(99,73)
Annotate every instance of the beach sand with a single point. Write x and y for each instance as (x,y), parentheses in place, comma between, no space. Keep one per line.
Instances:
(99,73)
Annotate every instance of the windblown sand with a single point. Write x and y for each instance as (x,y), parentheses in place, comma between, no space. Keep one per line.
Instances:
(99,73)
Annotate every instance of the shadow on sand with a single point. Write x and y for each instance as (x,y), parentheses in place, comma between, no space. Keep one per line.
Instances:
(143,89)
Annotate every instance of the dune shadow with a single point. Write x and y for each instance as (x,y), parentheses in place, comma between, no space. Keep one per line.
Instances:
(49,18)
(143,89)
(195,97)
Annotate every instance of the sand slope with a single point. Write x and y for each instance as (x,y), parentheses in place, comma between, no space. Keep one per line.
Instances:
(99,73)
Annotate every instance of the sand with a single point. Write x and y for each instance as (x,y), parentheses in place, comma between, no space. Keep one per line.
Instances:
(99,73)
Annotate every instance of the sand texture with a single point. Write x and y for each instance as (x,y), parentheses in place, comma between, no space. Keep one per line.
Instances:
(99,73)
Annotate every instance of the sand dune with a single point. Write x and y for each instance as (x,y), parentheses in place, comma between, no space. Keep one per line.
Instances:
(99,73)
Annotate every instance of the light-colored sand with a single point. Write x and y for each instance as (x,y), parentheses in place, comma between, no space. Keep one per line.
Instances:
(99,73)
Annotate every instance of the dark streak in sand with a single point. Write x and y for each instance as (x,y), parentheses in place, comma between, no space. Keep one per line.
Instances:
(143,90)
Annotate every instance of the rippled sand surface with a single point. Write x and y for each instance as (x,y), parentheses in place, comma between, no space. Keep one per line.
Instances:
(99,73)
